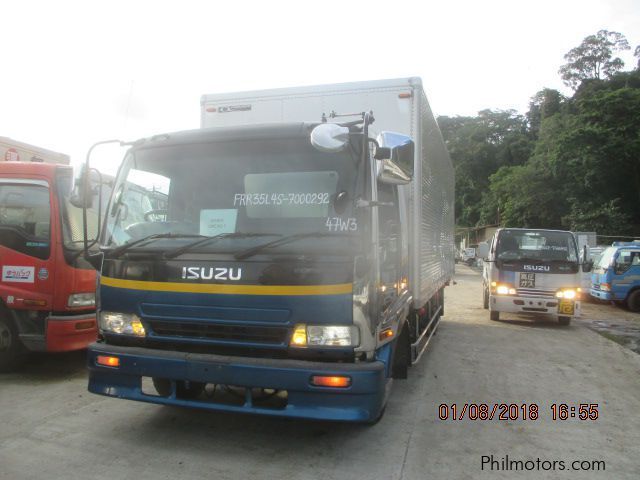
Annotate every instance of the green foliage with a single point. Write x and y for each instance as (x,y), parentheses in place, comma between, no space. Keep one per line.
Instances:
(478,147)
(593,58)
(544,104)
(570,163)
(606,218)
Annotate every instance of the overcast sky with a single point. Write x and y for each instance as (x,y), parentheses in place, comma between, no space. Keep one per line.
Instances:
(74,73)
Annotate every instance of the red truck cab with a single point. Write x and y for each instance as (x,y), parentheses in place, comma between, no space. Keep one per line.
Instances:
(47,289)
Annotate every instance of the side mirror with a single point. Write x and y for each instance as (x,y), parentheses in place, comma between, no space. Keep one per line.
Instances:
(482,250)
(587,266)
(396,156)
(82,194)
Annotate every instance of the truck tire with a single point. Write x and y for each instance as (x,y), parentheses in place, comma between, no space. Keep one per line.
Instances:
(633,301)
(163,387)
(494,315)
(485,298)
(564,320)
(12,352)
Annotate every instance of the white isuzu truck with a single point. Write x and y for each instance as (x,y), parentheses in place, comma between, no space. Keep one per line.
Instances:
(299,261)
(533,271)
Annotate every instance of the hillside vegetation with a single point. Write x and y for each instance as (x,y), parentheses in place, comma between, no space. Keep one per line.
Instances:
(571,162)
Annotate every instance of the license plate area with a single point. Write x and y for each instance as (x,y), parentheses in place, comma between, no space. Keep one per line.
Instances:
(566,307)
(527,280)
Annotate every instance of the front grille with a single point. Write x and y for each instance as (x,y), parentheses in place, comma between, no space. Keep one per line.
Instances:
(536,292)
(236,333)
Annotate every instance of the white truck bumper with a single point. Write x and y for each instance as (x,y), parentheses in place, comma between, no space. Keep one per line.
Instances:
(537,305)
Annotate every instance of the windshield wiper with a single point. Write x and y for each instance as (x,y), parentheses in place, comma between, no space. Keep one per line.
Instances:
(203,241)
(123,248)
(249,252)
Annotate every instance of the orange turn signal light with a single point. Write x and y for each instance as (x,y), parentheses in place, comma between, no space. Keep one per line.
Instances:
(330,381)
(32,302)
(386,333)
(108,361)
(85,325)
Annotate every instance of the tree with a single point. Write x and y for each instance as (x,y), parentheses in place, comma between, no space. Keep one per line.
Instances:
(594,58)
(478,147)
(636,54)
(545,103)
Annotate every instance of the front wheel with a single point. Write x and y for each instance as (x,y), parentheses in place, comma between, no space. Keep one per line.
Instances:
(564,320)
(633,301)
(485,299)
(12,352)
(494,315)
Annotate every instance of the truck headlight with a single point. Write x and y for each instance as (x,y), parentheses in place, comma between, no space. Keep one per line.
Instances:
(569,294)
(81,300)
(123,323)
(325,336)
(505,290)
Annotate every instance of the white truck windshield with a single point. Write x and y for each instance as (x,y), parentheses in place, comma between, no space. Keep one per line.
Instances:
(536,245)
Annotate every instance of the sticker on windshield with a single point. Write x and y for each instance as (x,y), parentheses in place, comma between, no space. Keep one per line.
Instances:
(18,274)
(277,199)
(217,221)
(337,224)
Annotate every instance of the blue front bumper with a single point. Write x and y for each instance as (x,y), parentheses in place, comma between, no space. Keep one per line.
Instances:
(362,401)
(600,294)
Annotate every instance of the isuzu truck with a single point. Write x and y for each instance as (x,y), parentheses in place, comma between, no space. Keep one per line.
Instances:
(533,271)
(47,287)
(299,263)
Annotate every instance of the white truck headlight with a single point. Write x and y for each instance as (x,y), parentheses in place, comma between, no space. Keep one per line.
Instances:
(81,300)
(568,294)
(325,336)
(123,323)
(505,290)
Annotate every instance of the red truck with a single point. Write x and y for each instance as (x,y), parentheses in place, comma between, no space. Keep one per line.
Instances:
(47,289)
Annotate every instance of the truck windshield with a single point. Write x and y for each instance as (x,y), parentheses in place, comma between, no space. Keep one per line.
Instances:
(536,245)
(605,260)
(25,217)
(242,192)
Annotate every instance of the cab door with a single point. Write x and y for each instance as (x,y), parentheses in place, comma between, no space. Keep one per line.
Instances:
(26,243)
(626,273)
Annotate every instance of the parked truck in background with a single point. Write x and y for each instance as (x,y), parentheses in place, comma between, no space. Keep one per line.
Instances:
(533,271)
(299,265)
(47,287)
(616,275)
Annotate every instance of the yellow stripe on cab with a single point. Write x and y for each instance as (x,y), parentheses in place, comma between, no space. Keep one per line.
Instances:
(334,289)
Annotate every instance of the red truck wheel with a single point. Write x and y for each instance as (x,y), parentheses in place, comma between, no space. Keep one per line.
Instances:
(12,352)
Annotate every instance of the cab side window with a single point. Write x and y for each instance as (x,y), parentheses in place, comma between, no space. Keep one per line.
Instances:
(25,224)
(626,260)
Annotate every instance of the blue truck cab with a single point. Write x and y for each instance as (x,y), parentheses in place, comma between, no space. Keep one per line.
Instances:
(616,277)
(291,269)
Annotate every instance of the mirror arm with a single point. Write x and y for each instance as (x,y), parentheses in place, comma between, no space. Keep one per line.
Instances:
(86,190)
